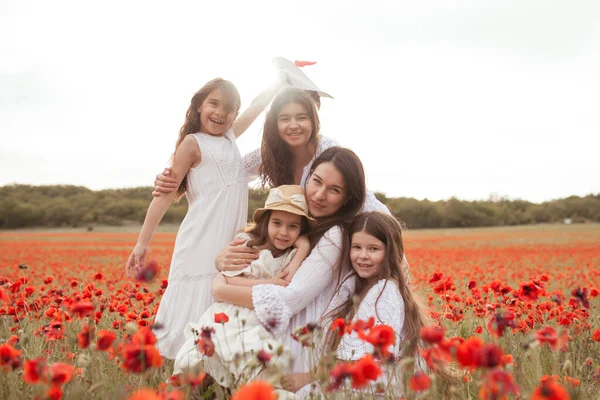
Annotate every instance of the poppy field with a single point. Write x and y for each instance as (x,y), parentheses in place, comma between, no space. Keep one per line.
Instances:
(515,314)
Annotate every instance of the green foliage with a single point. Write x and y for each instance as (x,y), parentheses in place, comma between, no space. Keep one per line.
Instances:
(75,206)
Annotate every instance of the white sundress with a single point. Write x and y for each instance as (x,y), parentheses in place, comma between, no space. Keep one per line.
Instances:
(217,194)
(239,340)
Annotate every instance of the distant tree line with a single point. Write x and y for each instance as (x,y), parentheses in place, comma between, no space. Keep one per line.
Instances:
(76,206)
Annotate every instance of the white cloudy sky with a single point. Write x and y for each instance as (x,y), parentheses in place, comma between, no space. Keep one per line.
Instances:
(439,98)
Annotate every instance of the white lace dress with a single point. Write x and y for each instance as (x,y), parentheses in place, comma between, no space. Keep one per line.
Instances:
(253,160)
(217,194)
(238,341)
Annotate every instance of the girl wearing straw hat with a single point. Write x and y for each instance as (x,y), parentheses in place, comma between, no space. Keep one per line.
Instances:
(237,334)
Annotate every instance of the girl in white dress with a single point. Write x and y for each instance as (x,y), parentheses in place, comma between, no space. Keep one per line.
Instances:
(376,289)
(208,169)
(229,353)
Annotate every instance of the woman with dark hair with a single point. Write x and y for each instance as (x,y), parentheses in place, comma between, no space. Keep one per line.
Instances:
(335,192)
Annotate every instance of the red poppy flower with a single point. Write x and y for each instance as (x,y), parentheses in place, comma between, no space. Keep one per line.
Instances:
(489,356)
(360,325)
(84,337)
(596,335)
(144,336)
(549,390)
(34,370)
(497,385)
(147,273)
(467,352)
(256,390)
(380,336)
(339,326)
(339,373)
(105,339)
(264,357)
(548,334)
(363,371)
(500,321)
(436,277)
(432,334)
(528,291)
(194,380)
(221,318)
(61,373)
(144,394)
(419,382)
(137,358)
(82,308)
(54,392)
(9,356)
(206,346)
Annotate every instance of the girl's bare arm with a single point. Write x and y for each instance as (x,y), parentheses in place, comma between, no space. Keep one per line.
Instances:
(185,157)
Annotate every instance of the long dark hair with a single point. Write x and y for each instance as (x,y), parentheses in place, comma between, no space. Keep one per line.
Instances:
(259,233)
(231,103)
(350,167)
(388,230)
(277,166)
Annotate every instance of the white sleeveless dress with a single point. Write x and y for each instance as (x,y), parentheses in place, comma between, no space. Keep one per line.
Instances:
(217,195)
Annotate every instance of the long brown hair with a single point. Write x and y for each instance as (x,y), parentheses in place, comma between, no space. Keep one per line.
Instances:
(350,167)
(388,230)
(277,166)
(231,103)
(259,233)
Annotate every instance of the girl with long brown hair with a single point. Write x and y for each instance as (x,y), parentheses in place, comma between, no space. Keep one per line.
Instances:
(208,168)
(376,288)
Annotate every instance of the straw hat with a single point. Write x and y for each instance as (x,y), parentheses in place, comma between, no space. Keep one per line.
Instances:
(288,198)
(296,77)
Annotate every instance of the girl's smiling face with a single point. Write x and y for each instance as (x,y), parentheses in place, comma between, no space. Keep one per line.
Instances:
(284,228)
(294,125)
(214,118)
(366,255)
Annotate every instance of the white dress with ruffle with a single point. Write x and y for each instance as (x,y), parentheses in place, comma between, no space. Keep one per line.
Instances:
(217,195)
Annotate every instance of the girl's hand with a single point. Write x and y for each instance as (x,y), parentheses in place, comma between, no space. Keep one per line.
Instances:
(136,261)
(217,283)
(164,183)
(279,279)
(294,382)
(302,243)
(235,256)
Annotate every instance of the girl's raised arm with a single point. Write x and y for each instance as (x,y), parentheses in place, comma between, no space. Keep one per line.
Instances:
(186,156)
(258,105)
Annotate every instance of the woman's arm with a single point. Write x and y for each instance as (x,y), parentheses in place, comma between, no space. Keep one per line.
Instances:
(258,105)
(187,154)
(242,281)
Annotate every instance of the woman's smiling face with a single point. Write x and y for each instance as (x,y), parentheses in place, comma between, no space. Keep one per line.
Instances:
(325,191)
